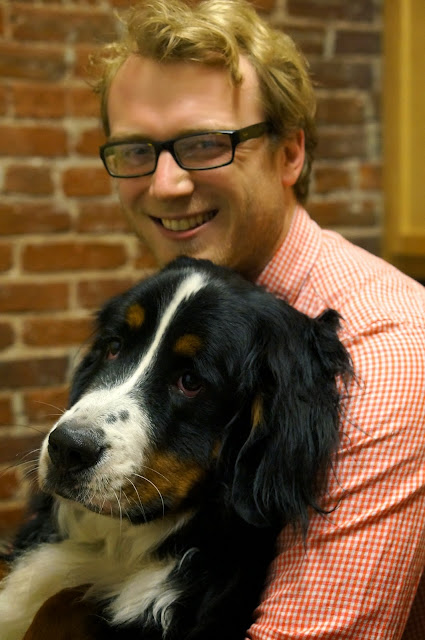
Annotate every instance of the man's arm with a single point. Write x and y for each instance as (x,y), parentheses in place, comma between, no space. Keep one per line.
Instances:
(357,575)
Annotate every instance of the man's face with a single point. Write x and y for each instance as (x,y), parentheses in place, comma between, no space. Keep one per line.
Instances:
(236,215)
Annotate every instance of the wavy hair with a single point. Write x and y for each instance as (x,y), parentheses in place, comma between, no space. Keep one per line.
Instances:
(217,32)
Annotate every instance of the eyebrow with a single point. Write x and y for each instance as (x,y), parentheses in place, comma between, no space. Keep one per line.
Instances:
(138,137)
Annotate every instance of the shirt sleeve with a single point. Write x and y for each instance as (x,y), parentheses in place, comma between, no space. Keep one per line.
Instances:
(357,573)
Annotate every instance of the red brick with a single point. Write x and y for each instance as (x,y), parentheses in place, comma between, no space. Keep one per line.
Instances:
(340,74)
(55,332)
(357,42)
(370,177)
(101,218)
(31,217)
(42,372)
(32,141)
(5,257)
(7,335)
(89,142)
(332,9)
(9,483)
(62,24)
(341,212)
(22,61)
(71,256)
(19,297)
(82,182)
(11,516)
(85,2)
(45,405)
(310,40)
(264,5)
(94,293)
(120,3)
(341,143)
(371,243)
(6,411)
(82,57)
(3,100)
(83,102)
(13,449)
(341,110)
(39,101)
(145,258)
(28,179)
(330,179)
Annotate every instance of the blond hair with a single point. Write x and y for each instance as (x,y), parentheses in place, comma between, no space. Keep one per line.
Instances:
(217,32)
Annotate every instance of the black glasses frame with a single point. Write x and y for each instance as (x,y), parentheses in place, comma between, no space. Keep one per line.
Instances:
(237,136)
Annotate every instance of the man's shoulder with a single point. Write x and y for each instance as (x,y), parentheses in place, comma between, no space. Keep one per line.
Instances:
(364,288)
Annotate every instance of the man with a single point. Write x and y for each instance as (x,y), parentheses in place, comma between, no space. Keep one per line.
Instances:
(183,74)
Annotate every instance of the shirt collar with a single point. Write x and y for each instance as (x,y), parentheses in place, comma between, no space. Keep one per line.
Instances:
(289,269)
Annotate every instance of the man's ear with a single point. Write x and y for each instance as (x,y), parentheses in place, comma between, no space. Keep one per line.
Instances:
(292,152)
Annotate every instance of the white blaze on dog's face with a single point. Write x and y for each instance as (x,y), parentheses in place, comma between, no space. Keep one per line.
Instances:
(145,427)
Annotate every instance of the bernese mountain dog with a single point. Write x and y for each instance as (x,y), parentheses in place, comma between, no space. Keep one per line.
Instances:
(203,419)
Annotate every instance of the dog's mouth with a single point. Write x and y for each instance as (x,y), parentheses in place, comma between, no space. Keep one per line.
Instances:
(166,485)
(97,494)
(116,504)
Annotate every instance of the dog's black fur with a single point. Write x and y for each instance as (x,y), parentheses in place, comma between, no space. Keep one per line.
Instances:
(240,406)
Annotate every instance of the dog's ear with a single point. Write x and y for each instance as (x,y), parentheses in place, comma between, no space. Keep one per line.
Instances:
(293,384)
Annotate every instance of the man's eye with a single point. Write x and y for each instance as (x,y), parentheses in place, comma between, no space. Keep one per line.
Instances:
(134,154)
(113,349)
(204,145)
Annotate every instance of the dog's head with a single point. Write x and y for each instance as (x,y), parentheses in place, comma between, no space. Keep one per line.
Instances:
(197,376)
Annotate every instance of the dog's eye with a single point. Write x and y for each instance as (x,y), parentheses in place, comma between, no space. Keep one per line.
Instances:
(113,348)
(189,384)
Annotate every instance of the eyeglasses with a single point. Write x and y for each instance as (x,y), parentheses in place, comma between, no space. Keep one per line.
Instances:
(195,152)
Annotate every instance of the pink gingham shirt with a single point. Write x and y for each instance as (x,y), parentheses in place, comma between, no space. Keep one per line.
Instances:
(357,576)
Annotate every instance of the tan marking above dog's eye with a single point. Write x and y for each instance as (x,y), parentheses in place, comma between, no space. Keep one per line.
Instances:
(135,316)
(188,345)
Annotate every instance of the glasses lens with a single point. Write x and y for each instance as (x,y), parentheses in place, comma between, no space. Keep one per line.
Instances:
(204,151)
(130,158)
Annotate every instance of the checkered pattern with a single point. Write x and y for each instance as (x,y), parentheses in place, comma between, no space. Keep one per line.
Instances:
(357,576)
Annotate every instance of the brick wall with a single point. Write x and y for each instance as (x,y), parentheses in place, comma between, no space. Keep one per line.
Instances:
(65,247)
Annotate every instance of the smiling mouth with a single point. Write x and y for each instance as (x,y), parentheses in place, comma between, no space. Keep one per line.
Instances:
(186,224)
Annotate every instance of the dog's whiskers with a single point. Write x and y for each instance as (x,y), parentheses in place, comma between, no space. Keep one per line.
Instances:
(32,428)
(18,465)
(138,497)
(156,488)
(31,474)
(29,453)
(157,472)
(119,506)
(48,404)
(22,463)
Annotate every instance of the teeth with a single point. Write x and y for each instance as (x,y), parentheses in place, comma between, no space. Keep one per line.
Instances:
(184,224)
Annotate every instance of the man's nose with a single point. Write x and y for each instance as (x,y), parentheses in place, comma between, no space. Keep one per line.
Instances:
(169,180)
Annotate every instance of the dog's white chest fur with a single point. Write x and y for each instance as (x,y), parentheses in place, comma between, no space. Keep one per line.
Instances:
(115,557)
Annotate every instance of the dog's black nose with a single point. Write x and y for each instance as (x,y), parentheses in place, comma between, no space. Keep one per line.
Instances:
(73,448)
